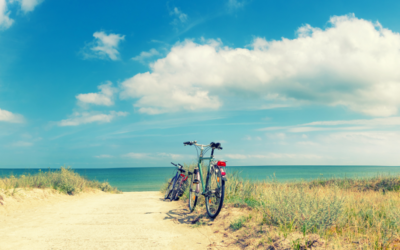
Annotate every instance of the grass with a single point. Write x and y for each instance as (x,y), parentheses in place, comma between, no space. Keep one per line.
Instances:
(357,212)
(239,222)
(64,180)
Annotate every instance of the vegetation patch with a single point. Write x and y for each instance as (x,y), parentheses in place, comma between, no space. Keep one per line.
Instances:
(64,180)
(239,223)
(362,213)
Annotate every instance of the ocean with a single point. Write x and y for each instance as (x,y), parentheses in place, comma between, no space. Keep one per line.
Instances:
(151,179)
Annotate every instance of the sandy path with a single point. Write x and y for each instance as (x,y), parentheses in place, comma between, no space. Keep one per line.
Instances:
(134,220)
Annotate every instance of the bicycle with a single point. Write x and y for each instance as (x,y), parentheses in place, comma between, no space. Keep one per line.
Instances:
(176,182)
(214,188)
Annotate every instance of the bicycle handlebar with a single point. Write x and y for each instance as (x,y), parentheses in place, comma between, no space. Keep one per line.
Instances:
(214,145)
(177,165)
(190,143)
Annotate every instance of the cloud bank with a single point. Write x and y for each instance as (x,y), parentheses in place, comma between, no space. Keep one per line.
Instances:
(28,5)
(153,156)
(5,20)
(341,125)
(79,118)
(351,63)
(7,116)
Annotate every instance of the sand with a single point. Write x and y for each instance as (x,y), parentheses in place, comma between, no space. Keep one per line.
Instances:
(132,220)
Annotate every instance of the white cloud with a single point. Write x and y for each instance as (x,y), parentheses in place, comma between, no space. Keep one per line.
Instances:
(136,155)
(103,46)
(154,156)
(272,156)
(387,121)
(146,55)
(180,17)
(307,143)
(7,116)
(104,97)
(333,148)
(103,156)
(5,20)
(171,156)
(236,156)
(274,106)
(351,63)
(255,138)
(276,136)
(366,147)
(312,129)
(28,5)
(360,124)
(89,117)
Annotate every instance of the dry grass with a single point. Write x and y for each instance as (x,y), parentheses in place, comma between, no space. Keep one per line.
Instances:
(351,213)
(64,180)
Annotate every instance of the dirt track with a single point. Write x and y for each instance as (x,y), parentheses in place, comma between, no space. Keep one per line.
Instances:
(134,220)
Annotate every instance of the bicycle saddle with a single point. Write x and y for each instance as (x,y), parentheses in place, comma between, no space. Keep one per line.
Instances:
(216,145)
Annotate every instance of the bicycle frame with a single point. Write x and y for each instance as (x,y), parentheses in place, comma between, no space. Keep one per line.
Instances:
(201,158)
(175,178)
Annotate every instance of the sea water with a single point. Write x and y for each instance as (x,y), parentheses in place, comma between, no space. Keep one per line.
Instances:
(152,178)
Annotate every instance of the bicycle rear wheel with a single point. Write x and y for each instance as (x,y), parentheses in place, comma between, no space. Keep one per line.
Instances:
(215,192)
(169,189)
(192,193)
(175,190)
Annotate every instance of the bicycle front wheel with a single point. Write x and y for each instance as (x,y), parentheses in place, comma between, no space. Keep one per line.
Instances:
(215,192)
(192,193)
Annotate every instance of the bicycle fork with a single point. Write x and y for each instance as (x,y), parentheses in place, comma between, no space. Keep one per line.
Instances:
(196,174)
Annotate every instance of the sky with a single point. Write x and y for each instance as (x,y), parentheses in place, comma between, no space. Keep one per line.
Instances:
(104,84)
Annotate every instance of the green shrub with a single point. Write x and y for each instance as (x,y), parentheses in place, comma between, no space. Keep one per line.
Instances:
(239,223)
(64,180)
(296,209)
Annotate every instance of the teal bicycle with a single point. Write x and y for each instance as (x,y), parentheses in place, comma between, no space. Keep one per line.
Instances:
(214,187)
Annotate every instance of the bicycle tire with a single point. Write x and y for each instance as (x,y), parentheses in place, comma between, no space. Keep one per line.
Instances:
(168,191)
(175,190)
(192,194)
(214,193)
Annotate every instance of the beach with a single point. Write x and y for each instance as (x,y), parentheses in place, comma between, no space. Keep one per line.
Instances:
(131,220)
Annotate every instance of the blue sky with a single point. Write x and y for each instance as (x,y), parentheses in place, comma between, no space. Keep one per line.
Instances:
(102,84)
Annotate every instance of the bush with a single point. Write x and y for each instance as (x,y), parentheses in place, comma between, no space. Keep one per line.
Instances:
(295,209)
(64,180)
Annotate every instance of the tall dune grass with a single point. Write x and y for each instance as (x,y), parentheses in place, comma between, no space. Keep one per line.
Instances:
(64,180)
(365,211)
(362,212)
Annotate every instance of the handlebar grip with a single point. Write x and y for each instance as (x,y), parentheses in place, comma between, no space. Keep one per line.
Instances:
(189,142)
